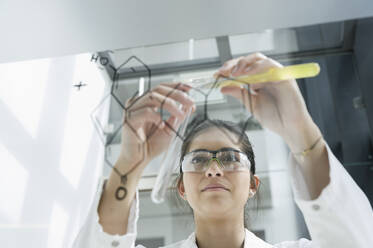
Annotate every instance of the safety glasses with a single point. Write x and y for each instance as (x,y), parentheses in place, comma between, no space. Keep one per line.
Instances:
(228,159)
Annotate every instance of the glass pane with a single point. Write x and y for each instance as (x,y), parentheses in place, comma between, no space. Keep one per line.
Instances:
(334,46)
(66,122)
(169,53)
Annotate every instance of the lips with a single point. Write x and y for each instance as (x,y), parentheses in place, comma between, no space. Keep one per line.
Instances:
(214,186)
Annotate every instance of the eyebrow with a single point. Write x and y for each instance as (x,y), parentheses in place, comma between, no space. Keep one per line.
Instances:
(214,151)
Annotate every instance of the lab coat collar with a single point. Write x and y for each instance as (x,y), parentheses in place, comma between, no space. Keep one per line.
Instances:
(251,241)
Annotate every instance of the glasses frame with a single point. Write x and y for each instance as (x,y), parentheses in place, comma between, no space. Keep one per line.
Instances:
(214,153)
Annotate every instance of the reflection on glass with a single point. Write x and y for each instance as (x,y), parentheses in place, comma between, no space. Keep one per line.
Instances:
(57,227)
(13,187)
(22,89)
(75,152)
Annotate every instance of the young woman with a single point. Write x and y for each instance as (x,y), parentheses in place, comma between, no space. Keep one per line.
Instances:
(217,174)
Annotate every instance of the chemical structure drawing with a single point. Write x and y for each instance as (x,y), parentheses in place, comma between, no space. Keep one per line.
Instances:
(133,65)
(78,86)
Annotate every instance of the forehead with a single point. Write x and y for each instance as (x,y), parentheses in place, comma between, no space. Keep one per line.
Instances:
(214,139)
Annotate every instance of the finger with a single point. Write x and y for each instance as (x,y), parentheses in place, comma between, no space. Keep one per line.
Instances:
(175,94)
(180,86)
(133,109)
(170,126)
(252,58)
(130,101)
(239,67)
(225,70)
(142,116)
(157,100)
(173,123)
(228,68)
(244,64)
(261,66)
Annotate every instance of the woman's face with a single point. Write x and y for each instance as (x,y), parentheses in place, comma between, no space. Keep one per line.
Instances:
(215,202)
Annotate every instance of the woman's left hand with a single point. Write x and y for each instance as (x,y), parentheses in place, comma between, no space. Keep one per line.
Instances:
(278,106)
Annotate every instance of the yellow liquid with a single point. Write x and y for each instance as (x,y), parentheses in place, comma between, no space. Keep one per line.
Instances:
(276,74)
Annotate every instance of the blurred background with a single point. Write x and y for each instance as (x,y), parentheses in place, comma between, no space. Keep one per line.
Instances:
(60,126)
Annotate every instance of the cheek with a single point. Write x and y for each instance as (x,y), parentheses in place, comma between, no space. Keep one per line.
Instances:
(190,184)
(241,185)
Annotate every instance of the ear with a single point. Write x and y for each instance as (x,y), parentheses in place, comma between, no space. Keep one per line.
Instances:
(253,188)
(181,189)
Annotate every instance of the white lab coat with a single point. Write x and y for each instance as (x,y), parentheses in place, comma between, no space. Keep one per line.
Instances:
(341,217)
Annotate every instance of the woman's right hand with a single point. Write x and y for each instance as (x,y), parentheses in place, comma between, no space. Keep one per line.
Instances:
(144,134)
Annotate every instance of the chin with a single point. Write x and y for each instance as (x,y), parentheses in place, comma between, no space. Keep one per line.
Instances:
(215,205)
(215,212)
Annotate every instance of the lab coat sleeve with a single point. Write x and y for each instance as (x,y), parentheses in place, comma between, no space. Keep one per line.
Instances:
(341,216)
(92,235)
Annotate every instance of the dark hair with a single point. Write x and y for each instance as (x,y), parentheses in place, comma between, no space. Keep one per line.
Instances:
(198,125)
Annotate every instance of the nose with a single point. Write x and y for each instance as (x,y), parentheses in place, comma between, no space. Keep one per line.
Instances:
(214,169)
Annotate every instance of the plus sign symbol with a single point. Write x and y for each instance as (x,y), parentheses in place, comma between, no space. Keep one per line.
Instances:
(78,86)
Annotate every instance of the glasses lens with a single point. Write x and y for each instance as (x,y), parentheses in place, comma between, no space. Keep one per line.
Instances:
(228,160)
(196,161)
(233,160)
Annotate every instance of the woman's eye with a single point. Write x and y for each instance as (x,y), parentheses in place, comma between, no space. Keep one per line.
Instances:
(199,160)
(229,158)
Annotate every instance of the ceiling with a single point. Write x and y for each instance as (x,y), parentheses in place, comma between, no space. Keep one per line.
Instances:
(44,29)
